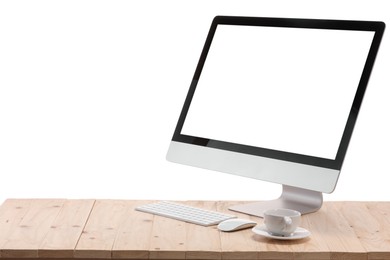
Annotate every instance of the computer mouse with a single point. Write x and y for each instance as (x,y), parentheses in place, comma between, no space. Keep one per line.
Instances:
(235,224)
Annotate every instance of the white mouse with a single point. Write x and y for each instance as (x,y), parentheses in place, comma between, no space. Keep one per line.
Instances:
(235,224)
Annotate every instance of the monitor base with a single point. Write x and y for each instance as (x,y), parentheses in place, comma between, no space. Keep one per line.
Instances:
(302,200)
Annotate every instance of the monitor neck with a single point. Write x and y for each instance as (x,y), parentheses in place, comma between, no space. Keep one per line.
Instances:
(302,200)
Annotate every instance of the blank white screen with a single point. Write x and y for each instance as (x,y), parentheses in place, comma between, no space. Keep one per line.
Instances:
(285,89)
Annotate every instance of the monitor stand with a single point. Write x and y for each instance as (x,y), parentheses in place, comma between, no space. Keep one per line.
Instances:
(302,200)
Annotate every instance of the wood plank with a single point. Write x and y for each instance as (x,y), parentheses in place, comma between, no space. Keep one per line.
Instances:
(368,227)
(313,247)
(243,244)
(332,237)
(50,229)
(168,239)
(12,212)
(273,249)
(251,245)
(133,237)
(342,240)
(64,233)
(97,239)
(380,211)
(203,242)
(32,229)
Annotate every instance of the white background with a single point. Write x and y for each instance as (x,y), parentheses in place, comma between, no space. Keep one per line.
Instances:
(90,93)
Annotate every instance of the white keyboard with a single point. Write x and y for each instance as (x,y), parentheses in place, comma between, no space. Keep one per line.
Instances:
(185,213)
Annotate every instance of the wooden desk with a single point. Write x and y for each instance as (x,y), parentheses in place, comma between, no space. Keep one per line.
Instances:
(112,229)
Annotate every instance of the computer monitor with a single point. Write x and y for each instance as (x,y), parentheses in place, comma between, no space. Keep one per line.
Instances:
(276,99)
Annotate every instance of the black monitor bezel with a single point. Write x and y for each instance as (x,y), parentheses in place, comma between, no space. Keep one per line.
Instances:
(374,26)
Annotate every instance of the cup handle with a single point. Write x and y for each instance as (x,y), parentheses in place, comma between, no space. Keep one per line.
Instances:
(287,223)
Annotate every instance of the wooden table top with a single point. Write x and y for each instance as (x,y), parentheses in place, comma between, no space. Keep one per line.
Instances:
(112,229)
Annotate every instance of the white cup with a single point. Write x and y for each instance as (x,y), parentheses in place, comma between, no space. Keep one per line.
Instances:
(282,222)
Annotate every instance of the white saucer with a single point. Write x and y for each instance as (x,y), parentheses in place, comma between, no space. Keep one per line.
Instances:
(298,234)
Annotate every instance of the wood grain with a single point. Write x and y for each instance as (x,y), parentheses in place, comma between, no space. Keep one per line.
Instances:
(238,245)
(168,239)
(64,233)
(196,248)
(11,214)
(28,234)
(370,224)
(326,226)
(133,236)
(113,229)
(98,236)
